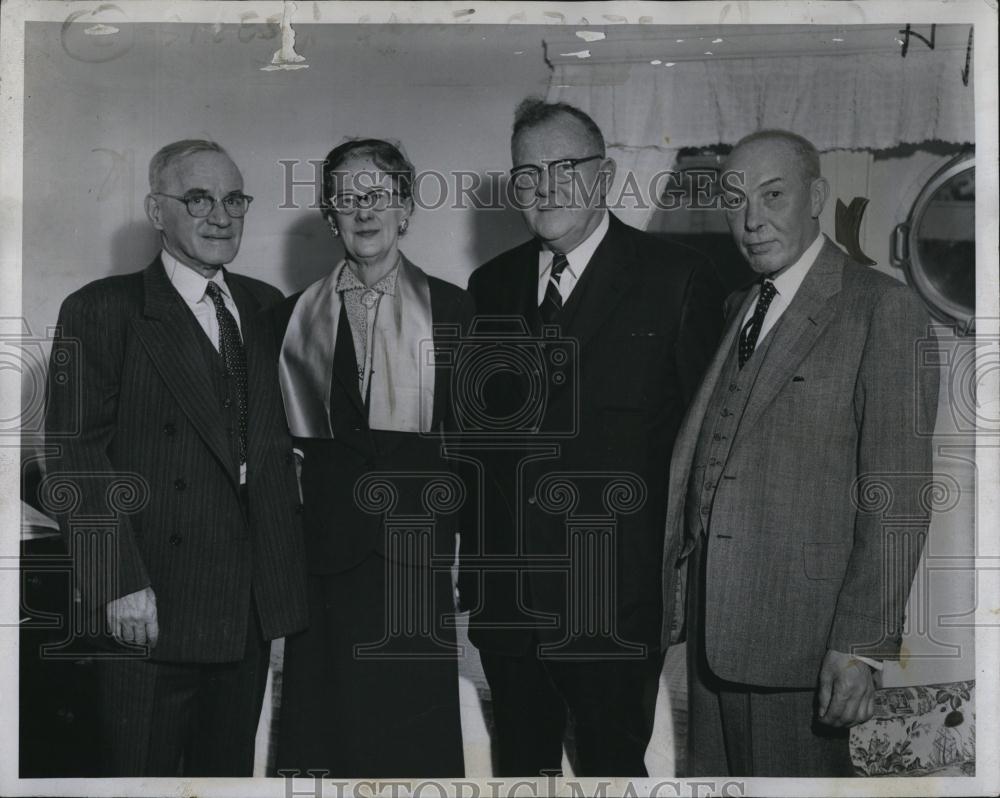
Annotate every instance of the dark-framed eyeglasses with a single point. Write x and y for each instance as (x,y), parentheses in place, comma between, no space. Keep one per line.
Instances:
(527,176)
(202,205)
(378,199)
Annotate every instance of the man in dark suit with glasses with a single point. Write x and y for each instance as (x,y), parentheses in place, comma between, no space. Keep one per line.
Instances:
(177,396)
(562,580)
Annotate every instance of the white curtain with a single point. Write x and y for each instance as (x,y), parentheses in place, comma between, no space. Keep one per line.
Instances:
(868,101)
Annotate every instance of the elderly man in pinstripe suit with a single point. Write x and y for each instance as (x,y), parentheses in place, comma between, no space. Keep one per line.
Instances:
(177,391)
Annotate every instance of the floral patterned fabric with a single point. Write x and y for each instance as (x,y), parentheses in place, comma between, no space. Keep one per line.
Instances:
(918,731)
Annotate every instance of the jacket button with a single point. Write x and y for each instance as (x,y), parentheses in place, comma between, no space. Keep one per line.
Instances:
(227,403)
(180,484)
(175,540)
(532,500)
(169,429)
(298,509)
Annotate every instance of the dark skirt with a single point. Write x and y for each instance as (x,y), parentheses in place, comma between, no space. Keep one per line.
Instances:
(370,689)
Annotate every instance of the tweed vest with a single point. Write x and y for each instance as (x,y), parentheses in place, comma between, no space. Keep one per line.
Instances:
(718,430)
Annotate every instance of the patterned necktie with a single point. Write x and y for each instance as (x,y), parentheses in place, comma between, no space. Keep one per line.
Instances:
(234,356)
(552,301)
(751,330)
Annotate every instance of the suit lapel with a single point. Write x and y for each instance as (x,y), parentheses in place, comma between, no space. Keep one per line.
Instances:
(800,327)
(604,282)
(524,302)
(526,283)
(169,333)
(262,384)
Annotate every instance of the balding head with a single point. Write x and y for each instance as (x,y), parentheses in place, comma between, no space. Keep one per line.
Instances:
(797,147)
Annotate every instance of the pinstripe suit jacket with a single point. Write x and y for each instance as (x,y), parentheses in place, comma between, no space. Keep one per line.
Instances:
(803,553)
(142,400)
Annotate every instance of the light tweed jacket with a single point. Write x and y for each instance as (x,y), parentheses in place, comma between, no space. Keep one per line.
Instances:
(824,496)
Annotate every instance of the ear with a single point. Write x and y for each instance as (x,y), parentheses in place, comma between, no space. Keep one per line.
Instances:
(819,192)
(153,211)
(408,208)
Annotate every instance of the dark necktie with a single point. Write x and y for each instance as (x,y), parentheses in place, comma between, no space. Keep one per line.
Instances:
(234,356)
(751,330)
(552,301)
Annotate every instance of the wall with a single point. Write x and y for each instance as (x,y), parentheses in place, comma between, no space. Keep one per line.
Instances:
(447,93)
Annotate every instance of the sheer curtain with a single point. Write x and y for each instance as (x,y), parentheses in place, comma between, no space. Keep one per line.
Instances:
(862,102)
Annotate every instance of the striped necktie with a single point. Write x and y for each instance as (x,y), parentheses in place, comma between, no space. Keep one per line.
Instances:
(234,356)
(552,301)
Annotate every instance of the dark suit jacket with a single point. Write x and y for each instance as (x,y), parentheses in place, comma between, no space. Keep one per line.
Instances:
(639,328)
(347,480)
(142,391)
(818,520)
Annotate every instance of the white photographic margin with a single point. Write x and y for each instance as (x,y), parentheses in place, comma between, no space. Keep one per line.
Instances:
(981,13)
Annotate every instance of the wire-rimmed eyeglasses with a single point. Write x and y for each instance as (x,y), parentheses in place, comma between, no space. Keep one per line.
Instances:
(378,199)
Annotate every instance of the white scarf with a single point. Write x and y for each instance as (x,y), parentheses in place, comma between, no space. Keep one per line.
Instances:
(401,393)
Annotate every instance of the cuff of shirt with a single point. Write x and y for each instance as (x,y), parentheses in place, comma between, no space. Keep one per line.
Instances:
(876,664)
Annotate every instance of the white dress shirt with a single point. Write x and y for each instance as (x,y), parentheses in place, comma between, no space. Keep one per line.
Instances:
(577,261)
(192,288)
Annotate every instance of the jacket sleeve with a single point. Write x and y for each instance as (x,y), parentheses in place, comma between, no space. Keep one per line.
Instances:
(82,488)
(895,407)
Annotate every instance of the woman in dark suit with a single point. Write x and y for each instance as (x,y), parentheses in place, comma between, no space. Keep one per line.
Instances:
(371,688)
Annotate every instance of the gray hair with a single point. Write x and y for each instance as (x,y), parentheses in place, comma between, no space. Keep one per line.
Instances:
(384,154)
(171,152)
(534,111)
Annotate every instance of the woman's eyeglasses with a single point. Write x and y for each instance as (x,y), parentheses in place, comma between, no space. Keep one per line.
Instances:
(378,199)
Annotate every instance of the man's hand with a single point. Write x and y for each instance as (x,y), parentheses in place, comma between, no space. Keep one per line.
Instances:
(846,690)
(132,618)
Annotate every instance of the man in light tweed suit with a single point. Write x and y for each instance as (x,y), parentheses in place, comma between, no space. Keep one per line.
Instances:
(177,393)
(795,586)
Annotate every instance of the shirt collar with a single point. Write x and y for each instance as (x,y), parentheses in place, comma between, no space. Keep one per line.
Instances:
(347,280)
(787,283)
(578,258)
(188,283)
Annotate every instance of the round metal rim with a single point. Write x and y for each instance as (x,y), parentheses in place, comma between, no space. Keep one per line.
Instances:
(940,305)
